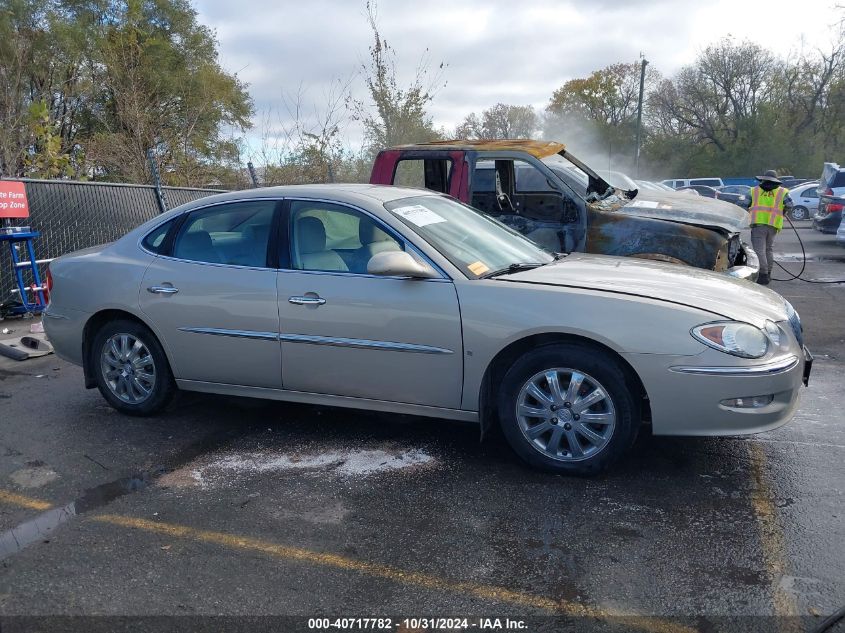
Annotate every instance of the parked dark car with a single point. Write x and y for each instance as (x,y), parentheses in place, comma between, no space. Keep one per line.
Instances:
(711,192)
(829,217)
(791,181)
(744,190)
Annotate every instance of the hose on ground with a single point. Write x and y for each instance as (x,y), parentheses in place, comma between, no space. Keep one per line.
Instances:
(803,264)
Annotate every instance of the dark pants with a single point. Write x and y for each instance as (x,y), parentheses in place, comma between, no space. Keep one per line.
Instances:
(762,238)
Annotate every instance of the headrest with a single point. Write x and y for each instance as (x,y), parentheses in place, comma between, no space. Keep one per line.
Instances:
(310,235)
(196,241)
(257,234)
(369,233)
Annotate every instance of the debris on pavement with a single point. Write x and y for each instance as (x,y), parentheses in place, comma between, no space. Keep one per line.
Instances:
(35,475)
(224,470)
(25,347)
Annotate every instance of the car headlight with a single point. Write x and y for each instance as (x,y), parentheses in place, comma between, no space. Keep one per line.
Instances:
(732,337)
(774,333)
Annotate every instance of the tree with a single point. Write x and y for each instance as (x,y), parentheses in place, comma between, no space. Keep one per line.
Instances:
(162,88)
(502,121)
(306,146)
(45,160)
(39,64)
(117,79)
(396,114)
(714,99)
(739,110)
(596,115)
(608,96)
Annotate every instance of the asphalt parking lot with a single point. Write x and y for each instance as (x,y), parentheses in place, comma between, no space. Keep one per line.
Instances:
(233,507)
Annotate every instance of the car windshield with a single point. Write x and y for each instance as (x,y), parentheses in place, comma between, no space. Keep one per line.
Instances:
(566,170)
(472,241)
(572,172)
(618,179)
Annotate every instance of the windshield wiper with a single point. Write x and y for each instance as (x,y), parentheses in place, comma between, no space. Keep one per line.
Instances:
(512,268)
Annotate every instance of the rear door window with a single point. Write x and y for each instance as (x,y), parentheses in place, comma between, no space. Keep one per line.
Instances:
(237,234)
(428,173)
(155,241)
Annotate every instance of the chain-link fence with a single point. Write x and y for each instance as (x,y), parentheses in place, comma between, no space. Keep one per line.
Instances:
(73,215)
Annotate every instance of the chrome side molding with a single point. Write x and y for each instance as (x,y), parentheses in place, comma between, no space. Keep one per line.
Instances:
(263,336)
(364,344)
(335,341)
(773,367)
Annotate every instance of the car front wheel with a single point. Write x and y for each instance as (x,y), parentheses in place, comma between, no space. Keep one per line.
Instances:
(568,408)
(132,371)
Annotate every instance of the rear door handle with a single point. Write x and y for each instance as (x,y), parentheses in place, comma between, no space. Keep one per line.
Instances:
(307,301)
(163,290)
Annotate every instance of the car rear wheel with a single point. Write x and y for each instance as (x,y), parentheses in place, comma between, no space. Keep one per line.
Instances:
(568,409)
(799,213)
(131,368)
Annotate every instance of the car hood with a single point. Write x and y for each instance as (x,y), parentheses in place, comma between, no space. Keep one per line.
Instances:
(688,209)
(713,292)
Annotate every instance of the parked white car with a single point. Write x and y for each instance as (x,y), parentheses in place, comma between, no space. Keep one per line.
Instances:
(805,201)
(407,301)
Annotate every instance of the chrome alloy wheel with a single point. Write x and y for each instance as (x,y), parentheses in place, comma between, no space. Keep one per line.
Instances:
(565,414)
(799,213)
(128,368)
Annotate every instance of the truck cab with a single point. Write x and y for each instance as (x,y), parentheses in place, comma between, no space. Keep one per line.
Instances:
(540,190)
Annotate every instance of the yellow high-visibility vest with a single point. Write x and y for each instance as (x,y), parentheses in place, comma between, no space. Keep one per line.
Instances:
(767,206)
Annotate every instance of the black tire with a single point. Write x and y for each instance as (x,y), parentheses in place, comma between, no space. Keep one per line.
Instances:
(597,365)
(799,213)
(164,387)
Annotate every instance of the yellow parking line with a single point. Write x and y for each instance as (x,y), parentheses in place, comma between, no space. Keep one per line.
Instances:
(23,502)
(425,581)
(771,537)
(341,562)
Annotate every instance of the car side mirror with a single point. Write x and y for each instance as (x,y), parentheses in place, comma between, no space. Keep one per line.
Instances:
(398,264)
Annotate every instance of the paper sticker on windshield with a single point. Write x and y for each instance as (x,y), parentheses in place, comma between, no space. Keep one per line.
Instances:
(645,204)
(419,215)
(478,268)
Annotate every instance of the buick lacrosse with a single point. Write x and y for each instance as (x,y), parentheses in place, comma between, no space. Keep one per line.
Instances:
(407,301)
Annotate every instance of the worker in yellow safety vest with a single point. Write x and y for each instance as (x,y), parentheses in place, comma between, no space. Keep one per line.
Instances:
(767,203)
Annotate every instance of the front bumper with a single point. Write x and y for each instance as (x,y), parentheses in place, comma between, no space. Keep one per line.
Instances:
(808,366)
(686,393)
(750,270)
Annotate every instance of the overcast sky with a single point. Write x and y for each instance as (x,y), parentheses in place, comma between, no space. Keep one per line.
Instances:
(496,51)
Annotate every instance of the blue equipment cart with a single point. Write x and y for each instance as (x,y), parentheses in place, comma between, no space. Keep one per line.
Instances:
(13,237)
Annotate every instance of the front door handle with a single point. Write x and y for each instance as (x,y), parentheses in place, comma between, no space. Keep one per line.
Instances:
(307,301)
(163,290)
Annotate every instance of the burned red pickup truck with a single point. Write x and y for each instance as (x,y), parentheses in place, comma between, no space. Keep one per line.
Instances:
(551,197)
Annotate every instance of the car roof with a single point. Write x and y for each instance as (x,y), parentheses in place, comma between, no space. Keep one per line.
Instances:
(351,193)
(538,149)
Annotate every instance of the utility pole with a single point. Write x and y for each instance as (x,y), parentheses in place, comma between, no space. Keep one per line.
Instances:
(252,175)
(640,115)
(159,192)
